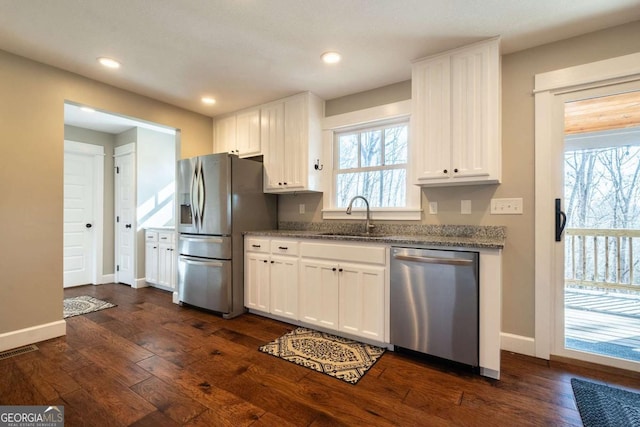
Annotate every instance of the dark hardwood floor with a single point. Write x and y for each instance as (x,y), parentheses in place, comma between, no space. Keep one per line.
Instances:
(149,362)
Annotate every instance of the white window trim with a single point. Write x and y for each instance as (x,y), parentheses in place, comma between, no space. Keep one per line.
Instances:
(332,124)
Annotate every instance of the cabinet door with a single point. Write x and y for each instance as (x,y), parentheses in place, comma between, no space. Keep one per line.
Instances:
(151,262)
(284,286)
(474,93)
(362,303)
(272,139)
(248,133)
(256,281)
(319,287)
(295,143)
(165,265)
(431,126)
(225,135)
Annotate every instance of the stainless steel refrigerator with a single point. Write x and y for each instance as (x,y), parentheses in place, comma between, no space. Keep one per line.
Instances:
(219,197)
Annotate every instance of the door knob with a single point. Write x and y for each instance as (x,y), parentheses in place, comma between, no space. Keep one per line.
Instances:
(88,225)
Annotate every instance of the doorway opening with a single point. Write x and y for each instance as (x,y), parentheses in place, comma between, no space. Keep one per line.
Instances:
(150,190)
(602,240)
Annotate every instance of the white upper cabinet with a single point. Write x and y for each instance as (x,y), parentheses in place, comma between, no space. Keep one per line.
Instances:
(238,134)
(456,116)
(248,133)
(291,135)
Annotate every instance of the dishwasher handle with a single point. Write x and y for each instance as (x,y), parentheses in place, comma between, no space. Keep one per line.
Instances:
(434,260)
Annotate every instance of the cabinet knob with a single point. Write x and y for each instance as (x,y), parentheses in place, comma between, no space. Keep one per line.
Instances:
(333,269)
(455,170)
(285,183)
(273,262)
(279,183)
(340,270)
(265,261)
(445,171)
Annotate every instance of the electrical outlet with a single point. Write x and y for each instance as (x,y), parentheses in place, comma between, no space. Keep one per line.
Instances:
(301,208)
(433,208)
(465,207)
(511,206)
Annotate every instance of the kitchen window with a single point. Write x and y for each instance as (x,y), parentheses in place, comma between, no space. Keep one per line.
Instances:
(372,162)
(370,156)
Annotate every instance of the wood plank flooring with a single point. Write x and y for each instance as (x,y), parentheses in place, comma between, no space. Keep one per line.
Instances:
(148,362)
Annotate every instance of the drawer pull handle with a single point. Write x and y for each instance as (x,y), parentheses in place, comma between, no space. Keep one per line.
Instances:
(255,246)
(284,248)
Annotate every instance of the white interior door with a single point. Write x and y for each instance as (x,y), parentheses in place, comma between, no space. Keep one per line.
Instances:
(125,204)
(82,255)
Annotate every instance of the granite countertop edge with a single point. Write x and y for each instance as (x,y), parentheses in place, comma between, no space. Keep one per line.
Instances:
(483,242)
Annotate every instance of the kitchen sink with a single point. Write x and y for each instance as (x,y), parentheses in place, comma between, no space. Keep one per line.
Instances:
(351,234)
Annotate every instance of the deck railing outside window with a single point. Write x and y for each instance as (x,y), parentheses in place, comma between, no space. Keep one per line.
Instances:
(603,258)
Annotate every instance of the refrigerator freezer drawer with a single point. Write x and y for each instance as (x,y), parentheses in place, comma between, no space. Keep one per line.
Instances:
(205,246)
(205,283)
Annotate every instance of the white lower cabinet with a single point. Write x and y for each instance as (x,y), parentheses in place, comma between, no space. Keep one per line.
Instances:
(256,281)
(336,286)
(271,277)
(362,300)
(160,261)
(319,287)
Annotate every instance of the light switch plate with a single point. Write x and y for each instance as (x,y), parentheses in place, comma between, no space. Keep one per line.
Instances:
(301,208)
(433,208)
(512,206)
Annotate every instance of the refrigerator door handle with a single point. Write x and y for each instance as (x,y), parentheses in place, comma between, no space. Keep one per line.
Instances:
(202,239)
(201,262)
(201,194)
(193,206)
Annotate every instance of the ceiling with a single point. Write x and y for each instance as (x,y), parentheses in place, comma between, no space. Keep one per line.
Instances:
(247,52)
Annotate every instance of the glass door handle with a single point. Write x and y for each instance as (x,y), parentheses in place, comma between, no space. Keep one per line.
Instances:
(561,221)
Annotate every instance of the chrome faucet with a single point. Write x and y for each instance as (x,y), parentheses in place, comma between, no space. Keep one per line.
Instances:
(368,226)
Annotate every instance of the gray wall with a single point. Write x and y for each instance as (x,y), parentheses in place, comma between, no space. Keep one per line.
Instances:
(518,71)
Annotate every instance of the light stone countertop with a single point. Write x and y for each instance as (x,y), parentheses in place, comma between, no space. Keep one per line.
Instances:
(487,237)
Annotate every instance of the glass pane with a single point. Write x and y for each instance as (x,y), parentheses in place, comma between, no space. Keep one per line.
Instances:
(349,185)
(371,149)
(395,145)
(348,151)
(394,188)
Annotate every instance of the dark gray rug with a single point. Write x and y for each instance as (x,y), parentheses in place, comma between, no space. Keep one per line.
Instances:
(83,304)
(604,406)
(338,357)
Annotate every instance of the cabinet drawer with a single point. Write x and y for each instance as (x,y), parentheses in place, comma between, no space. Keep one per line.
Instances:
(151,236)
(344,252)
(284,247)
(256,245)
(165,237)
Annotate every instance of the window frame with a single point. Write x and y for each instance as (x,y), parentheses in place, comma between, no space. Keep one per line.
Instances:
(384,115)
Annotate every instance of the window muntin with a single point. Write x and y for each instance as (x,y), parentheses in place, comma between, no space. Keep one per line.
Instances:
(372,162)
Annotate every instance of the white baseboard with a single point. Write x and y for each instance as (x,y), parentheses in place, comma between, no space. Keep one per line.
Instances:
(140,283)
(32,335)
(107,278)
(175,298)
(518,344)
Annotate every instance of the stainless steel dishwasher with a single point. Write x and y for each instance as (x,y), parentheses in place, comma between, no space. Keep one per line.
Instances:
(434,303)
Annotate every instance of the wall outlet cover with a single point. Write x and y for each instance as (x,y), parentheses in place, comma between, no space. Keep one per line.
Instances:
(465,207)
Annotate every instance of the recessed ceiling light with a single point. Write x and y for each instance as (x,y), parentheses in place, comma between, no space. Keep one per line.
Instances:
(331,57)
(208,100)
(108,62)
(88,109)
